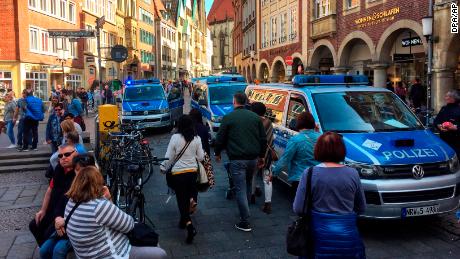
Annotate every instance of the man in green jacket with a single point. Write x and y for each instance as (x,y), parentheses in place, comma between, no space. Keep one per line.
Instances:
(242,134)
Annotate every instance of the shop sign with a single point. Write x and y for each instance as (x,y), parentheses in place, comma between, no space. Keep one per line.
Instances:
(377,17)
(89,59)
(414,41)
(119,53)
(403,58)
(271,98)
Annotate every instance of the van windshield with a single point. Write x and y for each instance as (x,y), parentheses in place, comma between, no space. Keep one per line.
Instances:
(144,93)
(224,94)
(363,112)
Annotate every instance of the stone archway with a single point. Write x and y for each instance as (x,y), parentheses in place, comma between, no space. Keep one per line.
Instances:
(264,72)
(278,71)
(356,53)
(322,59)
(249,74)
(244,73)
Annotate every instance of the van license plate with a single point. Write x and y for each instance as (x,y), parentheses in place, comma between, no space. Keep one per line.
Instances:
(420,211)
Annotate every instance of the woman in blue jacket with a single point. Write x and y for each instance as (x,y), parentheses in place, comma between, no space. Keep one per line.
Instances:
(337,197)
(298,154)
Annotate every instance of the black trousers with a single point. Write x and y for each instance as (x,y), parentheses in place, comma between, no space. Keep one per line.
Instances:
(30,129)
(293,189)
(184,185)
(43,230)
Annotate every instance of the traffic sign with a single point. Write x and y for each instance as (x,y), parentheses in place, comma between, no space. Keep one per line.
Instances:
(119,53)
(70,33)
(289,60)
(289,70)
(100,21)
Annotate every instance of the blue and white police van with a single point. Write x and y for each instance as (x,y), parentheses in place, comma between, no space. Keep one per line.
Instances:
(405,169)
(146,101)
(213,96)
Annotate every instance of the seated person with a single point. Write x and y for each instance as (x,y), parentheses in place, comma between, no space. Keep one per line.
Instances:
(104,225)
(54,202)
(71,138)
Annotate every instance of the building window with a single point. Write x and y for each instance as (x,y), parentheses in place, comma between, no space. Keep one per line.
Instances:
(322,8)
(283,25)
(63,7)
(6,80)
(33,3)
(73,50)
(53,7)
(352,3)
(43,5)
(110,12)
(39,83)
(74,81)
(71,12)
(53,45)
(33,38)
(44,41)
(293,24)
(145,16)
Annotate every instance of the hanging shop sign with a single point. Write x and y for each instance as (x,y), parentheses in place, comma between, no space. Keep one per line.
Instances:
(403,58)
(414,41)
(377,17)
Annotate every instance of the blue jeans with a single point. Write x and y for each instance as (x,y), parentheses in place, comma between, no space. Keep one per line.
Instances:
(10,131)
(242,172)
(55,248)
(21,132)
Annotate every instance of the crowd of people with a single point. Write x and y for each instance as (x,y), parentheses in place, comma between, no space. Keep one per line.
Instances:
(77,213)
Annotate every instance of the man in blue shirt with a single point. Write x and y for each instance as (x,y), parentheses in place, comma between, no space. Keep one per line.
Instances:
(35,112)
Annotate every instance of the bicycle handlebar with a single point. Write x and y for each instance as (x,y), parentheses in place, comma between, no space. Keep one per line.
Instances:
(154,160)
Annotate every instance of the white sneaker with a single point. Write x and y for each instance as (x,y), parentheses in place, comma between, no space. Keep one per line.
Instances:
(11,146)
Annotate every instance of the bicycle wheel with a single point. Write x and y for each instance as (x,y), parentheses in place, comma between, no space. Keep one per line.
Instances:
(136,209)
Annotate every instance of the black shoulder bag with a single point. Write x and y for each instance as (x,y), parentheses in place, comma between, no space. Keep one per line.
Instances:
(299,239)
(142,235)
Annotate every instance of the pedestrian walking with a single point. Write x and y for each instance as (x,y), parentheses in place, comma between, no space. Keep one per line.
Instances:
(53,127)
(19,116)
(184,153)
(35,110)
(416,94)
(260,109)
(107,95)
(8,118)
(448,120)
(243,136)
(83,95)
(75,107)
(97,98)
(203,132)
(336,198)
(104,224)
(401,91)
(298,154)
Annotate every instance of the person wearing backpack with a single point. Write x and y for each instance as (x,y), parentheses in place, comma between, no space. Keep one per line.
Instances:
(35,112)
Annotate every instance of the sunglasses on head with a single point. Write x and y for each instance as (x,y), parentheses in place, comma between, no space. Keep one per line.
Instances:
(67,154)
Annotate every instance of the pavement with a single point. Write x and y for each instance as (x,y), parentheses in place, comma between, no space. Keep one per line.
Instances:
(21,194)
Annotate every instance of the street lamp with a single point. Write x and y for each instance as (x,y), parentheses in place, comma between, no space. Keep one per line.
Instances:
(62,57)
(427,23)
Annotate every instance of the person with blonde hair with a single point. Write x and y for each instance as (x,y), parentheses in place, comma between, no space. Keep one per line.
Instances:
(97,228)
(68,126)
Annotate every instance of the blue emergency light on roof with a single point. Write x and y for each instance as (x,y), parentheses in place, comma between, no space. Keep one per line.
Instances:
(313,80)
(227,78)
(142,81)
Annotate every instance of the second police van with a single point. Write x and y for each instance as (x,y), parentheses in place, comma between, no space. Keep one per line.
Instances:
(213,96)
(147,102)
(405,169)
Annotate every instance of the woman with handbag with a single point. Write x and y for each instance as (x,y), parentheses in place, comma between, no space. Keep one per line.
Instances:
(203,132)
(184,153)
(95,226)
(260,109)
(336,198)
(298,154)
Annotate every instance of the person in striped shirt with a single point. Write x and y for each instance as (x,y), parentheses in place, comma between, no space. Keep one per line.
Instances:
(97,228)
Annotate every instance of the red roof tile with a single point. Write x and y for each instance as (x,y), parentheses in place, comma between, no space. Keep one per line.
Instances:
(221,10)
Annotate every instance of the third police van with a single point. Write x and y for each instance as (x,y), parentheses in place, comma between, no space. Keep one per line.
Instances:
(405,169)
(213,96)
